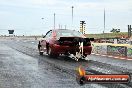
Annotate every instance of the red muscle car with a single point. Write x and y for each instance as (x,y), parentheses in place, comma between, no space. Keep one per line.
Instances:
(64,41)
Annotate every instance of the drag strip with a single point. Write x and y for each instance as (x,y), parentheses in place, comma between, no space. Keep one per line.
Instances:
(68,66)
(20,70)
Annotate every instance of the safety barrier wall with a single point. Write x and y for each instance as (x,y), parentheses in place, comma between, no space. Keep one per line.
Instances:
(117,50)
(100,48)
(129,51)
(123,50)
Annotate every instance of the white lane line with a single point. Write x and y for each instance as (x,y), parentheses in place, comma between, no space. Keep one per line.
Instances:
(97,54)
(122,58)
(110,56)
(103,55)
(116,57)
(128,59)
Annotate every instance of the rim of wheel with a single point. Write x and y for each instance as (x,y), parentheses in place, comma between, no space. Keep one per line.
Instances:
(49,51)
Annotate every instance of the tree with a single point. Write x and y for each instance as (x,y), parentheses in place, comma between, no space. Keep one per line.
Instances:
(115,30)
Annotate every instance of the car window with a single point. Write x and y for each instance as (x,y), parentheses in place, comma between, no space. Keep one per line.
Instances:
(68,33)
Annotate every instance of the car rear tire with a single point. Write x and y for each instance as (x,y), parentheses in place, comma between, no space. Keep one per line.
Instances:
(84,55)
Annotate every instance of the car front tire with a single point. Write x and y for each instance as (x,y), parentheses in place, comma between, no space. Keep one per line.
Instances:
(51,54)
(41,53)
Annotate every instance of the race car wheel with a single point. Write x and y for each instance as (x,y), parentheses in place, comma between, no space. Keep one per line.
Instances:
(48,50)
(84,55)
(40,53)
(39,46)
(51,54)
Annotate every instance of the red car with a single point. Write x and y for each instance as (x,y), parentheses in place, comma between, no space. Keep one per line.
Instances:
(64,41)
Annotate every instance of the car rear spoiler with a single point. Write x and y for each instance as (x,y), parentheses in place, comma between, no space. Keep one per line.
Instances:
(76,39)
(89,39)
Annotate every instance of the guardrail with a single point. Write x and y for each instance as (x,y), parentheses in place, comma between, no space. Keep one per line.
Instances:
(19,38)
(122,50)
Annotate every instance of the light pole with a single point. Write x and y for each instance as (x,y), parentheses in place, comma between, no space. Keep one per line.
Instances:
(54,20)
(42,23)
(104,21)
(104,25)
(72,17)
(72,14)
(65,26)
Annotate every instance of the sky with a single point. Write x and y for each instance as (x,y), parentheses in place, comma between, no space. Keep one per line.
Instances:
(25,16)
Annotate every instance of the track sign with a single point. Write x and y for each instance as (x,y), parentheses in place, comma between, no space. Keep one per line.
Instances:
(11,31)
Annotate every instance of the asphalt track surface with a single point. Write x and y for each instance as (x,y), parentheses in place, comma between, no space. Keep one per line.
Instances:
(22,67)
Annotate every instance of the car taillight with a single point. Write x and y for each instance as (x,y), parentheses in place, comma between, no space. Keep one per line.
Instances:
(89,44)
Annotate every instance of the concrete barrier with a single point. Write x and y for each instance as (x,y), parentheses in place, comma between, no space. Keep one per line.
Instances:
(100,48)
(117,50)
(129,51)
